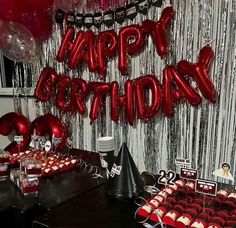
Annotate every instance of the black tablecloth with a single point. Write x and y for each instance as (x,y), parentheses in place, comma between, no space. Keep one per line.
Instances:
(92,209)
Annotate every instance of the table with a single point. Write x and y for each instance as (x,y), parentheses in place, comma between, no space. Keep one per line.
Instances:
(92,209)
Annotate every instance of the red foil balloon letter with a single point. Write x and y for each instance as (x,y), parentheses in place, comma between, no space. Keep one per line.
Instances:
(131,41)
(63,97)
(158,31)
(99,89)
(107,44)
(119,101)
(79,91)
(44,88)
(84,51)
(146,111)
(172,78)
(199,72)
(66,44)
(21,125)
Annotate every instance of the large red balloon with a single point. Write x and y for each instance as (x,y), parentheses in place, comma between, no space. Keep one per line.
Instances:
(106,45)
(50,125)
(131,41)
(39,23)
(21,125)
(10,10)
(44,88)
(145,110)
(174,88)
(38,5)
(199,72)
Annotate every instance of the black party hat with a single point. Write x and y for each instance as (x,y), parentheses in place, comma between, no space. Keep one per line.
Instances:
(125,180)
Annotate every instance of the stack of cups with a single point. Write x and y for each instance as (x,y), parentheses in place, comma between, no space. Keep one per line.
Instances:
(106,149)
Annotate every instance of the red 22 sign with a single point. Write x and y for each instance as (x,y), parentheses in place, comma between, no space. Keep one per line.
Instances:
(166,177)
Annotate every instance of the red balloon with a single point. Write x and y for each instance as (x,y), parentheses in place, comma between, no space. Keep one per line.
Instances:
(40,6)
(21,125)
(119,101)
(146,111)
(107,44)
(44,88)
(39,23)
(173,79)
(158,30)
(50,125)
(79,91)
(131,41)
(99,90)
(63,95)
(199,72)
(84,51)
(67,44)
(10,10)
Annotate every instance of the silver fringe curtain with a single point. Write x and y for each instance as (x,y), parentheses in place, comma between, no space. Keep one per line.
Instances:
(205,134)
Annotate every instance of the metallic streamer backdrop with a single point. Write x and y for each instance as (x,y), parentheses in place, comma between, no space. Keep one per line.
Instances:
(205,134)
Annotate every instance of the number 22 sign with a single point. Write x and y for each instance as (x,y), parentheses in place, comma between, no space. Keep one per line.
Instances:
(166,177)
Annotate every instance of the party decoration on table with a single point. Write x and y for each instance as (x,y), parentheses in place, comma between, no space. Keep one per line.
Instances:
(27,185)
(183,162)
(224,172)
(41,163)
(127,182)
(105,147)
(189,174)
(206,187)
(18,42)
(21,125)
(50,125)
(166,177)
(48,146)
